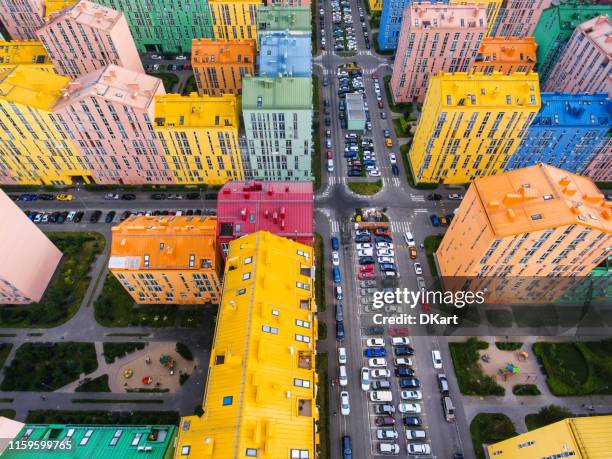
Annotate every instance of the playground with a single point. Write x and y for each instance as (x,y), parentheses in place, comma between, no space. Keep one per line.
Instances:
(510,368)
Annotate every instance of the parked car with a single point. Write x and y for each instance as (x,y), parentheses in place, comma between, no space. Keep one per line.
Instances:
(95,216)
(128,196)
(347,451)
(345,405)
(64,197)
(339,331)
(384,421)
(409,383)
(110,216)
(435,220)
(436,358)
(375,352)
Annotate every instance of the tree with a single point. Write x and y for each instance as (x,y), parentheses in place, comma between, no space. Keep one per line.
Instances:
(554,413)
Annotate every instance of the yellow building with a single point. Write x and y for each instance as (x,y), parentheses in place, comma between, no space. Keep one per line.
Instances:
(55,6)
(27,52)
(260,397)
(471,124)
(234,19)
(375,5)
(493,7)
(199,135)
(34,147)
(167,260)
(578,438)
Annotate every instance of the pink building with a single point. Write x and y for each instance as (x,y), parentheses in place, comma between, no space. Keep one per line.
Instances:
(88,37)
(435,37)
(28,258)
(600,169)
(518,18)
(108,115)
(586,62)
(22,18)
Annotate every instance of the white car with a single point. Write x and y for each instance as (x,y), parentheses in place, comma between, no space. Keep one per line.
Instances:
(388,449)
(38,218)
(399,341)
(411,395)
(402,361)
(455,197)
(377,362)
(385,253)
(342,358)
(409,238)
(417,269)
(181,58)
(345,404)
(375,173)
(365,253)
(392,158)
(412,408)
(69,218)
(417,449)
(421,283)
(375,342)
(343,377)
(365,378)
(384,245)
(364,246)
(436,359)
(335,258)
(386,434)
(386,260)
(380,373)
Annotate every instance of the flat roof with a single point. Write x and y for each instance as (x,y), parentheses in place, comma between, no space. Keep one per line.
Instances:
(276,93)
(354,107)
(194,111)
(32,87)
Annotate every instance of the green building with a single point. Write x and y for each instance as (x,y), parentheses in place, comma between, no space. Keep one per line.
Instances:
(94,442)
(165,26)
(554,29)
(278,18)
(277,116)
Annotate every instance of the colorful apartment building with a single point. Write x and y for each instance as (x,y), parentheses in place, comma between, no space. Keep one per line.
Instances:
(471,124)
(88,37)
(282,208)
(35,148)
(505,55)
(536,221)
(199,136)
(108,114)
(278,18)
(579,438)
(600,168)
(219,65)
(167,260)
(53,7)
(493,7)
(434,38)
(391,22)
(518,18)
(22,18)
(99,441)
(234,19)
(566,133)
(29,259)
(586,62)
(261,387)
(288,3)
(554,29)
(285,54)
(277,115)
(27,52)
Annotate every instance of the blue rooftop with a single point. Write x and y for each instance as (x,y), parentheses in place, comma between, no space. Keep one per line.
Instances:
(285,53)
(563,109)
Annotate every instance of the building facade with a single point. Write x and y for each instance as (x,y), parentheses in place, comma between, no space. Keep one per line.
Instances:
(199,136)
(167,260)
(554,29)
(234,20)
(493,7)
(220,65)
(88,37)
(566,133)
(55,6)
(277,116)
(518,18)
(22,18)
(600,168)
(261,386)
(28,52)
(282,208)
(505,55)
(435,38)
(580,438)
(288,3)
(471,124)
(279,19)
(285,54)
(586,62)
(29,259)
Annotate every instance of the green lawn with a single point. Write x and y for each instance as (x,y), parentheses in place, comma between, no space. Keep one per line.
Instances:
(113,351)
(547,415)
(190,86)
(323,403)
(431,245)
(403,107)
(99,384)
(102,417)
(169,80)
(490,428)
(526,389)
(374,20)
(471,379)
(48,366)
(67,288)
(319,273)
(8,413)
(5,349)
(366,188)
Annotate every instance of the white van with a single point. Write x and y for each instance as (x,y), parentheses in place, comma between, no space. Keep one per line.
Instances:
(392,449)
(330,165)
(449,409)
(343,376)
(381,396)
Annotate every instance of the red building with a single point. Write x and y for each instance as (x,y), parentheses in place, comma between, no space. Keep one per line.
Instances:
(283,208)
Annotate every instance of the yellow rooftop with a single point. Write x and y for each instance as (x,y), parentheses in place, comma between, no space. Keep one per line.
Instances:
(176,111)
(32,87)
(55,6)
(261,388)
(541,197)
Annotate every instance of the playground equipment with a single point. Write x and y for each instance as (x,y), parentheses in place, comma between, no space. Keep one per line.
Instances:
(522,356)
(509,370)
(168,362)
(146,380)
(127,373)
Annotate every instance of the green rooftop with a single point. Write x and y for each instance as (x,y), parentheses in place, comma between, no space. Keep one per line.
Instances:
(96,442)
(279,18)
(261,93)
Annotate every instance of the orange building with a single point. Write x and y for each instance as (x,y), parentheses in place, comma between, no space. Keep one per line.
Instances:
(505,55)
(219,65)
(167,260)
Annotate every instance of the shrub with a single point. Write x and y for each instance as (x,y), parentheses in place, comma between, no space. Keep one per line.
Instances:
(471,379)
(183,350)
(508,345)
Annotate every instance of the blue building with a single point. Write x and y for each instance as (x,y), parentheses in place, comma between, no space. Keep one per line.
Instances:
(391,22)
(285,54)
(566,132)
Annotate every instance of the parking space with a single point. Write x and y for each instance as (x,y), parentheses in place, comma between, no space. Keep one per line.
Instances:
(344,38)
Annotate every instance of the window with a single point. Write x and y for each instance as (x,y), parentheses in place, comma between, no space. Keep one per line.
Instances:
(526,444)
(548,197)
(191,261)
(251,452)
(248,260)
(242,291)
(449,100)
(508,99)
(115,438)
(86,437)
(536,217)
(185,450)
(246,276)
(268,329)
(220,359)
(299,454)
(302,286)
(302,338)
(146,261)
(136,439)
(302,323)
(301,382)
(228,400)
(275,312)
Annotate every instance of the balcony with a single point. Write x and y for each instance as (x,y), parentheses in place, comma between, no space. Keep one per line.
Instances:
(305,360)
(304,407)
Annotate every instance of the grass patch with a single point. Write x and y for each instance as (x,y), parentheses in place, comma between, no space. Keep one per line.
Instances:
(96,417)
(113,351)
(319,273)
(116,400)
(99,384)
(546,416)
(405,108)
(183,350)
(48,366)
(487,428)
(5,349)
(322,330)
(431,244)
(365,188)
(374,19)
(526,389)
(8,335)
(67,288)
(604,185)
(404,150)
(190,86)
(7,413)
(168,79)
(508,345)
(385,52)
(323,404)
(471,379)
(580,368)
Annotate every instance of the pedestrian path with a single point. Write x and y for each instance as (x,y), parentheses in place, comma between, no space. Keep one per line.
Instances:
(333,180)
(365,52)
(400,227)
(335,226)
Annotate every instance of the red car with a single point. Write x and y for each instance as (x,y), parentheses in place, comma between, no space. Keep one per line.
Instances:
(382,232)
(398,331)
(375,76)
(366,275)
(380,104)
(366,268)
(329,154)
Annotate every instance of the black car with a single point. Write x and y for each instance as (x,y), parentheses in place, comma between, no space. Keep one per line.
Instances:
(373,331)
(210,196)
(404,372)
(366,260)
(78,216)
(434,197)
(126,214)
(95,216)
(339,312)
(53,217)
(409,383)
(339,331)
(46,197)
(128,196)
(412,421)
(395,169)
(363,238)
(403,350)
(61,218)
(353,173)
(110,216)
(193,195)
(197,212)
(189,212)
(327,121)
(158,196)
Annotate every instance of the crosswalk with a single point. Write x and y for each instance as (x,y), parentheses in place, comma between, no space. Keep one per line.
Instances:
(421,211)
(365,52)
(333,180)
(395,181)
(417,198)
(400,227)
(335,226)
